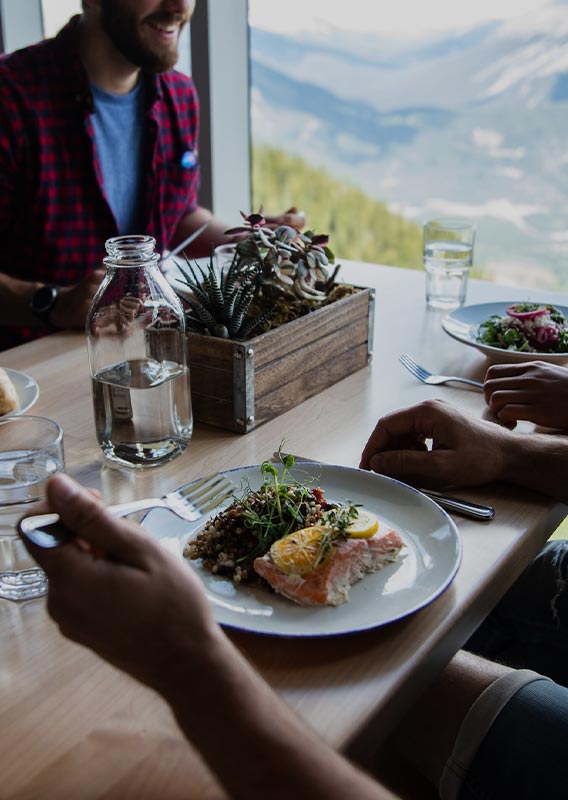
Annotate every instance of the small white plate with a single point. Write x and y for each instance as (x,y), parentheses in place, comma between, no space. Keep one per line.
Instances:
(26,389)
(424,569)
(463,324)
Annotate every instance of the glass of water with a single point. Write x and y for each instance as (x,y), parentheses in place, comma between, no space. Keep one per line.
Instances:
(224,255)
(448,256)
(31,450)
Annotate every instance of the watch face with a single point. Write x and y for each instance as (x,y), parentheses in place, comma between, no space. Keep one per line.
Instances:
(44,298)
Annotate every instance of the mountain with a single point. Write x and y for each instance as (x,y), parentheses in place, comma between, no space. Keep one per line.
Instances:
(357,119)
(453,72)
(471,124)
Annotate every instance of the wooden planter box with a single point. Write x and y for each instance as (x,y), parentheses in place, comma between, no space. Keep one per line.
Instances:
(239,385)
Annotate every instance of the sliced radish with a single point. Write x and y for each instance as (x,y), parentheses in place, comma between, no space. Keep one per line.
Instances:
(511,311)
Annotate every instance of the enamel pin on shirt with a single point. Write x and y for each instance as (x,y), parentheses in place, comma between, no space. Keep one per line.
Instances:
(189,159)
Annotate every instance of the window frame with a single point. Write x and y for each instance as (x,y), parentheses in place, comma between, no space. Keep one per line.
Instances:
(20,24)
(220,49)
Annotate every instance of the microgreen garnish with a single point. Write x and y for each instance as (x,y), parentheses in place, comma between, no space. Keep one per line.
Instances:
(278,508)
(336,520)
(339,518)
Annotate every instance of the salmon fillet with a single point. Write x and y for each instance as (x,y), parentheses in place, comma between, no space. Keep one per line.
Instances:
(329,584)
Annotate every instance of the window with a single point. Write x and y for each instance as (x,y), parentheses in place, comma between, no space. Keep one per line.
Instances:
(375,120)
(56,13)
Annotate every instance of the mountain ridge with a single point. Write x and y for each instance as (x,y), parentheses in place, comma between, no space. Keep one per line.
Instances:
(479,131)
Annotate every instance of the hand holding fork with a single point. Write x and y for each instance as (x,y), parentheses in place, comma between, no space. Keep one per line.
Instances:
(189,502)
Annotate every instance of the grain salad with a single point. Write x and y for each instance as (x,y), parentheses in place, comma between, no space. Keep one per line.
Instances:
(245,530)
(230,541)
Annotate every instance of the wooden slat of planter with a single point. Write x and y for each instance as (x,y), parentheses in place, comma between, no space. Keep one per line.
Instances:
(301,332)
(319,356)
(213,411)
(209,381)
(210,349)
(306,385)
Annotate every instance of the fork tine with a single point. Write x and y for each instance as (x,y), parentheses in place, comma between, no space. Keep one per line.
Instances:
(420,372)
(210,492)
(216,500)
(202,488)
(195,487)
(428,377)
(415,366)
(213,495)
(407,362)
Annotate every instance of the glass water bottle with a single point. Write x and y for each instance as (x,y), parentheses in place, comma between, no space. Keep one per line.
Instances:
(137,354)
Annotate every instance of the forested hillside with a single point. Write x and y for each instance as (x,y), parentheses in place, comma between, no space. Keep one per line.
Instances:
(360,228)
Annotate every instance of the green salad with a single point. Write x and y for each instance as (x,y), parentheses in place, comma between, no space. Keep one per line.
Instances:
(526,328)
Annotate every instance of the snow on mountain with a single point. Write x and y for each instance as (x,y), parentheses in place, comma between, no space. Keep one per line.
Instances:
(536,52)
(524,56)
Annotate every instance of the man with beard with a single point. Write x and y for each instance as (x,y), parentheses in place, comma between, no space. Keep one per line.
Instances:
(98,138)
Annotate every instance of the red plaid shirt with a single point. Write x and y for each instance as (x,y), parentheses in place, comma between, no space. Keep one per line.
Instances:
(54,216)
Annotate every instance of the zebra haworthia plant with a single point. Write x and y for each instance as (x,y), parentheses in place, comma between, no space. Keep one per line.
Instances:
(220,304)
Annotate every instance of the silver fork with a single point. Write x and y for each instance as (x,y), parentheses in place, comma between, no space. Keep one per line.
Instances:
(427,377)
(189,502)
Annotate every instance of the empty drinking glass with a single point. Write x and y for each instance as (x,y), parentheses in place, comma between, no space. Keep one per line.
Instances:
(224,255)
(31,450)
(448,256)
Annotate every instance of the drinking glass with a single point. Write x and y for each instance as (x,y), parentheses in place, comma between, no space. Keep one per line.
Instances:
(448,256)
(224,255)
(31,449)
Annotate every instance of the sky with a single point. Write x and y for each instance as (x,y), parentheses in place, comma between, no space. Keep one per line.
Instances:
(398,17)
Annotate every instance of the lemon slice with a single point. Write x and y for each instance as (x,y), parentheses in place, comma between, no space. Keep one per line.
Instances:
(364,526)
(303,551)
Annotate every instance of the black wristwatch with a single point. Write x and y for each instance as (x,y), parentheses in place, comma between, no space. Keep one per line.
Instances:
(42,302)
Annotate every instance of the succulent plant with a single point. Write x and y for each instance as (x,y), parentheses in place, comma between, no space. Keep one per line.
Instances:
(219,305)
(276,275)
(290,262)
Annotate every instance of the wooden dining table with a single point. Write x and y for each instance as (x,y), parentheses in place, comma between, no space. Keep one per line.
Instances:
(75,727)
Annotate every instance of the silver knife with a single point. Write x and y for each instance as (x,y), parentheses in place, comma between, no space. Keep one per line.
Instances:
(455,504)
(187,241)
(459,506)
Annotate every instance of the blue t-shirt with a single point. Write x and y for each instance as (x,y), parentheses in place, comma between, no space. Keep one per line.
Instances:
(118,123)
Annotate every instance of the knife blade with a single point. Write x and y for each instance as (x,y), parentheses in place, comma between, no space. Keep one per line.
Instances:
(187,241)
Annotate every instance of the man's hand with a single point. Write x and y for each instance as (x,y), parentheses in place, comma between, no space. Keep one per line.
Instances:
(118,592)
(73,302)
(465,452)
(292,217)
(535,391)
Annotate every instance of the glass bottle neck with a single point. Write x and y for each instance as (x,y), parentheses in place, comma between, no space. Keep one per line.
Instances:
(131,251)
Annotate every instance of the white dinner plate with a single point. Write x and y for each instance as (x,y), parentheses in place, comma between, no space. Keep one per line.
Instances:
(26,389)
(463,324)
(426,566)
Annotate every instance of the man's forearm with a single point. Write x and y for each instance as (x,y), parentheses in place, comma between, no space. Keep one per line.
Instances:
(212,236)
(253,742)
(15,296)
(538,462)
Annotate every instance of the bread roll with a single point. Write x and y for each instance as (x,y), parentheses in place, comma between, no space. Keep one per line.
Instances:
(8,397)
